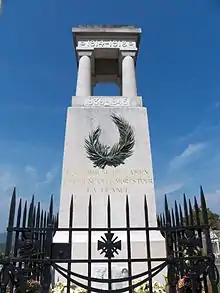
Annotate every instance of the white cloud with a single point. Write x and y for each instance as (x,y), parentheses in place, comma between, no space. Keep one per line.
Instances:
(198,164)
(30,170)
(8,178)
(213,200)
(51,175)
(22,167)
(6,181)
(200,131)
(168,189)
(48,178)
(188,155)
(28,181)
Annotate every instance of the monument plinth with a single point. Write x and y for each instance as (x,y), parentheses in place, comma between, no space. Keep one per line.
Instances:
(107,144)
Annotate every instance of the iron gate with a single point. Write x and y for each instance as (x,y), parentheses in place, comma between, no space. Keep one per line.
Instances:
(30,252)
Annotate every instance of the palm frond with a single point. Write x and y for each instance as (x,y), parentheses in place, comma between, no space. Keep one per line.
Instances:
(101,155)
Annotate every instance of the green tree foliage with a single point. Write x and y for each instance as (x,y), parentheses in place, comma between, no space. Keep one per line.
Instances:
(214,219)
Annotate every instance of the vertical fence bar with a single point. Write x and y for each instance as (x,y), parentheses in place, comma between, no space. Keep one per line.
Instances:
(44,231)
(109,258)
(17,232)
(199,230)
(24,221)
(34,253)
(212,268)
(30,213)
(51,209)
(37,237)
(34,219)
(186,222)
(48,240)
(163,218)
(186,214)
(52,269)
(70,242)
(41,254)
(178,234)
(89,244)
(29,234)
(16,240)
(195,278)
(148,243)
(182,235)
(197,216)
(191,217)
(128,243)
(46,276)
(189,227)
(9,239)
(174,234)
(181,216)
(183,224)
(169,248)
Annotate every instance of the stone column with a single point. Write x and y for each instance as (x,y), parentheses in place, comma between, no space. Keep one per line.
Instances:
(84,86)
(129,87)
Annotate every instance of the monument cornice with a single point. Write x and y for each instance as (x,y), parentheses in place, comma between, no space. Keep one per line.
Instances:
(92,37)
(124,29)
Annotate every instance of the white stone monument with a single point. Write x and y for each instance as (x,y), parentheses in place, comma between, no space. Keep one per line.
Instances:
(99,159)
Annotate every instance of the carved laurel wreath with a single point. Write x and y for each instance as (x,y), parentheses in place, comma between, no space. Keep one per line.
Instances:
(102,155)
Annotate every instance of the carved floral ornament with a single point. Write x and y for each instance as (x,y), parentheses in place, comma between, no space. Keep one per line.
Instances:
(117,44)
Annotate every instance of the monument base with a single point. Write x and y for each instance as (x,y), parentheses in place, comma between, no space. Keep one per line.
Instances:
(119,269)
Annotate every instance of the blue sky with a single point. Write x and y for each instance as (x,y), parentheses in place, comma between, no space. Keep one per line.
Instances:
(178,74)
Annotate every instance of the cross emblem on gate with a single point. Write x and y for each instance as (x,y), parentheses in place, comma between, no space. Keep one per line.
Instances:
(109,246)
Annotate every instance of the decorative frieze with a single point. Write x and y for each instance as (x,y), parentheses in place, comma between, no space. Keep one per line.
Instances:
(105,44)
(106,102)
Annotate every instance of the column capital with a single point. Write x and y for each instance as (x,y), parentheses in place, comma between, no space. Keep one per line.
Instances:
(84,53)
(128,53)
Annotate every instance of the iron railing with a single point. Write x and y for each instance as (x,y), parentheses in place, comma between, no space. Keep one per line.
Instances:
(30,252)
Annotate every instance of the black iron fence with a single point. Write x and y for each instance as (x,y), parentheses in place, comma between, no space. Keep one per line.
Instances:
(30,253)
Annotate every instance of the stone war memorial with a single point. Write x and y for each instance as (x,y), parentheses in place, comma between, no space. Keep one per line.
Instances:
(107,236)
(107,146)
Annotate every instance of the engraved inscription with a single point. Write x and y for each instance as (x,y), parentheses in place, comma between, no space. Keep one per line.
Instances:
(106,102)
(115,181)
(117,44)
(111,180)
(107,189)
